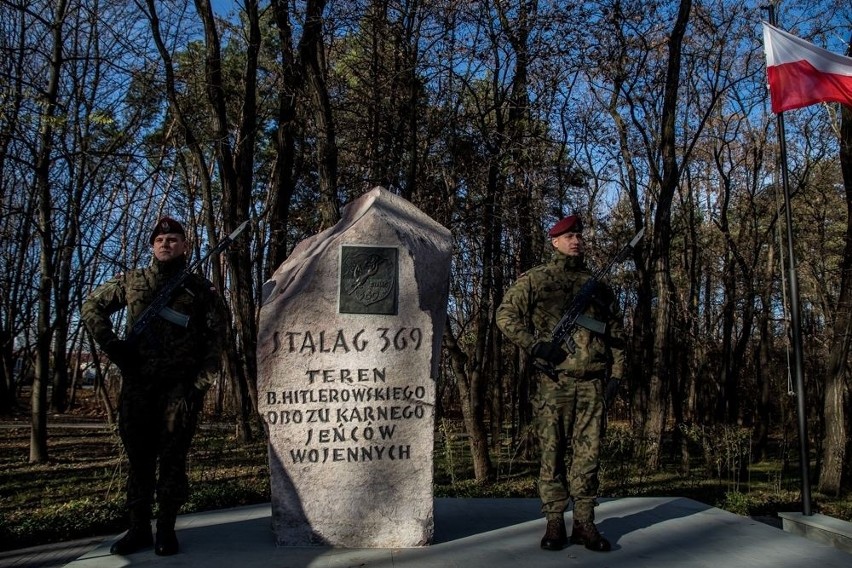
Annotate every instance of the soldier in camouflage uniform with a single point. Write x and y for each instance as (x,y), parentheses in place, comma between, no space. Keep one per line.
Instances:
(165,374)
(568,409)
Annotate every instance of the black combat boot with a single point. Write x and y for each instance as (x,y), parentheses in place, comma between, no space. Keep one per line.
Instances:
(587,534)
(167,542)
(555,537)
(138,536)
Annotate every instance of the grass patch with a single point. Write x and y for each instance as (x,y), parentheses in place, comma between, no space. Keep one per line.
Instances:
(80,493)
(720,473)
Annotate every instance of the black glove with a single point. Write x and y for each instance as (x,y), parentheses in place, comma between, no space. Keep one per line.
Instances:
(122,353)
(611,391)
(549,351)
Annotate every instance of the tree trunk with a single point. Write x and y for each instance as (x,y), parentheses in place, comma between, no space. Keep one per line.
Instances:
(763,358)
(100,383)
(60,379)
(44,331)
(658,391)
(471,369)
(660,378)
(7,371)
(312,56)
(283,185)
(62,293)
(684,399)
(411,111)
(522,222)
(469,380)
(835,469)
(236,167)
(733,349)
(640,343)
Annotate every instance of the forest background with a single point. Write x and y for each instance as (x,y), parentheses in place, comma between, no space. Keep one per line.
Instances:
(496,117)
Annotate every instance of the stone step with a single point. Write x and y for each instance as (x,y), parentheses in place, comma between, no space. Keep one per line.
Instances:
(820,528)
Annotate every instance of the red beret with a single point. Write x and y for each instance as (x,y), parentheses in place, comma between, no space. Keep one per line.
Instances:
(571,223)
(167,225)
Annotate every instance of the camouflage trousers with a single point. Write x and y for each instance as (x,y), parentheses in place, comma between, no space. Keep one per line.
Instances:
(568,419)
(156,426)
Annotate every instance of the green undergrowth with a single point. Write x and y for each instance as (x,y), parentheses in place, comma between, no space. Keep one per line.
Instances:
(79,493)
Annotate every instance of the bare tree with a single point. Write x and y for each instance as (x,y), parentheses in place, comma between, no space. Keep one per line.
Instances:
(11,100)
(235,170)
(312,56)
(44,332)
(836,469)
(282,186)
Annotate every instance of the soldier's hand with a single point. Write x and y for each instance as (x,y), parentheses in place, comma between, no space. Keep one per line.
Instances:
(611,391)
(122,353)
(549,351)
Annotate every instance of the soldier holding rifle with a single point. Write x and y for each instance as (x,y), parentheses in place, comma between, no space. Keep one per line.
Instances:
(580,372)
(168,359)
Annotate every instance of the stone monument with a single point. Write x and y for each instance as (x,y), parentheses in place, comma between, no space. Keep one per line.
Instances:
(348,352)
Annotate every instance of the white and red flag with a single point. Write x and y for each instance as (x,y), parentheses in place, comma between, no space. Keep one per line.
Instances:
(802,74)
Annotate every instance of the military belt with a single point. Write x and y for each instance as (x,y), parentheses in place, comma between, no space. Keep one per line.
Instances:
(590,376)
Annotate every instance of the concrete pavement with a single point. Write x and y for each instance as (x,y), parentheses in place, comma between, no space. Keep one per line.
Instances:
(653,532)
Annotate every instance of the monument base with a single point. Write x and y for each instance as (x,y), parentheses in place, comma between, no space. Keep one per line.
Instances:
(820,528)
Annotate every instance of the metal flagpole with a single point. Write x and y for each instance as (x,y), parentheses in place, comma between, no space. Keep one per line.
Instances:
(804,453)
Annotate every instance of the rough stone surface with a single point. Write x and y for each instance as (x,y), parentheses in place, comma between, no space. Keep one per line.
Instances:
(348,351)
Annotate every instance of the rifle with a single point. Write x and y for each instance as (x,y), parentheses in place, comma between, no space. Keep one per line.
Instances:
(574,317)
(158,305)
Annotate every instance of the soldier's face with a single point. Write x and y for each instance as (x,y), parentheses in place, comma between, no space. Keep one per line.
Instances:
(169,246)
(569,244)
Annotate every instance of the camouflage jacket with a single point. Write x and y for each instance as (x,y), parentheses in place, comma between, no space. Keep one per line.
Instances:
(165,349)
(536,302)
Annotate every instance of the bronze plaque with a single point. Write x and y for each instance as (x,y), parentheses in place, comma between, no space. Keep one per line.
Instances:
(369,282)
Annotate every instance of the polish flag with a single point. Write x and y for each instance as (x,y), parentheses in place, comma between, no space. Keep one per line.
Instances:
(802,74)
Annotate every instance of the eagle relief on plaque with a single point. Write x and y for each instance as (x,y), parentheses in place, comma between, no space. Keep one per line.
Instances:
(369,282)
